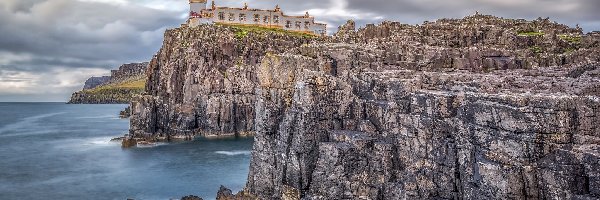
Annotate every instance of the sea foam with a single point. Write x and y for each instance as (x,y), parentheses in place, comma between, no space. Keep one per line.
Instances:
(233,153)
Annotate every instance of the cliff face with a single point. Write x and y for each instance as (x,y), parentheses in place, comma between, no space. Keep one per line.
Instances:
(94,82)
(119,88)
(128,71)
(474,108)
(350,130)
(202,81)
(401,112)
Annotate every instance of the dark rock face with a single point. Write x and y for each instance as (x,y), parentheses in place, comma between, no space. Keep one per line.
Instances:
(128,71)
(191,197)
(473,108)
(94,82)
(226,194)
(202,82)
(385,118)
(126,113)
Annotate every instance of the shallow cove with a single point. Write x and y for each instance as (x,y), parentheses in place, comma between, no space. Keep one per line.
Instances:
(60,151)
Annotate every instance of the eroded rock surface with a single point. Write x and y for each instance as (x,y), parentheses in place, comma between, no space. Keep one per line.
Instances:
(473,108)
(389,117)
(203,81)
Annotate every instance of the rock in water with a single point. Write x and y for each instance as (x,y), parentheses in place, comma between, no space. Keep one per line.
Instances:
(191,197)
(224,193)
(474,108)
(126,113)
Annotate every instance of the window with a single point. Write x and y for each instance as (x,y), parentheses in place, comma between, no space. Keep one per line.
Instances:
(266,19)
(276,19)
(288,24)
(298,25)
(221,16)
(242,17)
(231,17)
(306,25)
(256,18)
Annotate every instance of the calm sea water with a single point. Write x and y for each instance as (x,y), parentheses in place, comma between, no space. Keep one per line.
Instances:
(59,151)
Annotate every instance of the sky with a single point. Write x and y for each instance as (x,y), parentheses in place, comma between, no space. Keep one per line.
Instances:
(48,48)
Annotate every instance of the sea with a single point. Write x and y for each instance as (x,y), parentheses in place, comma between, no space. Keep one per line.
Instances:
(62,151)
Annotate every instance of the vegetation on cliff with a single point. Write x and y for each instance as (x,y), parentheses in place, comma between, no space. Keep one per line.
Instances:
(242,31)
(114,93)
(119,88)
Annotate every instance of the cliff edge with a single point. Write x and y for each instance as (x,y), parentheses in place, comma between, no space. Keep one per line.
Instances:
(474,108)
(203,81)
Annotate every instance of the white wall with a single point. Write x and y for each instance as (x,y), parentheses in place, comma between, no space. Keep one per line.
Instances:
(315,28)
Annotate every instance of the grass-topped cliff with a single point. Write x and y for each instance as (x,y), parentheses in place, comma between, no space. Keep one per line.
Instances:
(112,93)
(123,84)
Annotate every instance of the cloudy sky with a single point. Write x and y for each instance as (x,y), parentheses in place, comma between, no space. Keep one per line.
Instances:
(49,47)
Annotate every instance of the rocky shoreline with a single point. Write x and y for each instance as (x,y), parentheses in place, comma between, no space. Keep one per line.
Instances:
(475,108)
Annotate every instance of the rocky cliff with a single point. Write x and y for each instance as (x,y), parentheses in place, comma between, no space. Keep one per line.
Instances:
(474,108)
(119,88)
(203,81)
(94,82)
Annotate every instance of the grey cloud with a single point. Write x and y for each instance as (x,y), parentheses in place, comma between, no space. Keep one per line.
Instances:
(49,38)
(70,33)
(571,12)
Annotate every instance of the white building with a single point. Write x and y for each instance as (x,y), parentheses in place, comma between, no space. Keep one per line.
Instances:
(199,14)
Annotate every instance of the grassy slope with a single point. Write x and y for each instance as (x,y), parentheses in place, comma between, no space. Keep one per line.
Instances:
(121,92)
(243,30)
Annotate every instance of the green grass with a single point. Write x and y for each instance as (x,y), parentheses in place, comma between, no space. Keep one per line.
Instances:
(537,49)
(570,38)
(532,33)
(135,84)
(242,31)
(569,50)
(121,92)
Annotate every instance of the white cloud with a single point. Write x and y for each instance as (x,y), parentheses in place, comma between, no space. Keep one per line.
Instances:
(55,81)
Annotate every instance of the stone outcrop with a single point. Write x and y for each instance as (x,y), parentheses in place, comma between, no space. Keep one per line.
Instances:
(226,194)
(402,112)
(191,197)
(128,72)
(474,108)
(119,88)
(94,82)
(353,131)
(203,81)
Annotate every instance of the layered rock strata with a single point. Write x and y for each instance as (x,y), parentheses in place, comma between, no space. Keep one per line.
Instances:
(474,108)
(356,131)
(203,81)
